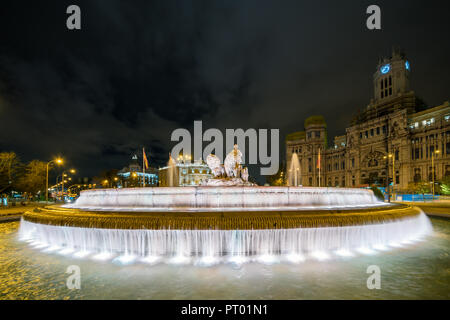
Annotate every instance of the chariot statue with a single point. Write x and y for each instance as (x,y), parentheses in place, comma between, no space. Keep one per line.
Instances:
(230,173)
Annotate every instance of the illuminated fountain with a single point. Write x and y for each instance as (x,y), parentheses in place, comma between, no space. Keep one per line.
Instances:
(294,171)
(227,219)
(171,171)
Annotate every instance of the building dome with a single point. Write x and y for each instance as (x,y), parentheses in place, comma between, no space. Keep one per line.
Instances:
(315,120)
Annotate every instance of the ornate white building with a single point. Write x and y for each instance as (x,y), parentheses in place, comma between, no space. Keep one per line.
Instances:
(396,135)
(185,173)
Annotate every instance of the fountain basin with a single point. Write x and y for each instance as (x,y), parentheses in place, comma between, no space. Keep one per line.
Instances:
(209,223)
(220,220)
(191,243)
(236,198)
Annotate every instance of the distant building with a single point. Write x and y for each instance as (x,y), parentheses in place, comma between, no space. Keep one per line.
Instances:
(185,173)
(395,123)
(132,175)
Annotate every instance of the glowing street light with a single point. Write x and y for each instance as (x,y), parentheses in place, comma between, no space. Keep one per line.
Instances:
(58,161)
(391,156)
(65,181)
(432,168)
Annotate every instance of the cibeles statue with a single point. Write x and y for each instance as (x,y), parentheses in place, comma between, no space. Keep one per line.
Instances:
(230,173)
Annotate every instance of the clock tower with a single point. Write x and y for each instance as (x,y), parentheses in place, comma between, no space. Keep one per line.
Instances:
(391,78)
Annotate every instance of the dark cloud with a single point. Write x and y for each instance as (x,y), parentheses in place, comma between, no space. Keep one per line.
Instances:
(139,69)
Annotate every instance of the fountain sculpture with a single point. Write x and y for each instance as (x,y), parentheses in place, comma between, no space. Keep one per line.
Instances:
(226,219)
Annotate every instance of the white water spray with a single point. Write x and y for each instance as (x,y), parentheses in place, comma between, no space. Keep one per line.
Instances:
(203,246)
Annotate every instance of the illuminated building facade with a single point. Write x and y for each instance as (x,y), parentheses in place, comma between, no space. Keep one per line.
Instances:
(185,173)
(396,135)
(132,175)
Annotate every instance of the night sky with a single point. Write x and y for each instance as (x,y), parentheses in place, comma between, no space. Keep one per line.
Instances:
(140,69)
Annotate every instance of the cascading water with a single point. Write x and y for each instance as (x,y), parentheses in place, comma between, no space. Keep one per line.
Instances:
(215,245)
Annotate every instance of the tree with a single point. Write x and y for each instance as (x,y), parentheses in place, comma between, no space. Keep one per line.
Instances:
(445,185)
(278,179)
(107,175)
(33,180)
(9,169)
(420,187)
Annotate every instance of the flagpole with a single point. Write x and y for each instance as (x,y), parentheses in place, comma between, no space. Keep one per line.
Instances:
(143,168)
(319,167)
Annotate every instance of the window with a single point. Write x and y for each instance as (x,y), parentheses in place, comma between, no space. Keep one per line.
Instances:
(378,130)
(396,154)
(384,129)
(371,132)
(417,175)
(309,135)
(317,134)
(416,153)
(353,162)
(366,134)
(360,135)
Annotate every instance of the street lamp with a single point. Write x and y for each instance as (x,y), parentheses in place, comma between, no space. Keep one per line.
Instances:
(390,155)
(432,169)
(62,178)
(58,161)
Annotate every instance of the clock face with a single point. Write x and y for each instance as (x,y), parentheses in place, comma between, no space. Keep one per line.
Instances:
(407,65)
(385,69)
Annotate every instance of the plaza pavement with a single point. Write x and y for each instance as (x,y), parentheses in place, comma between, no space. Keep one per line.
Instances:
(436,208)
(14,213)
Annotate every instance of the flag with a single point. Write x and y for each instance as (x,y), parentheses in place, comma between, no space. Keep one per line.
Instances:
(145,158)
(318,161)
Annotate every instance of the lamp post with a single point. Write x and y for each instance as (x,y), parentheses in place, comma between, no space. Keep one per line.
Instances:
(58,161)
(62,189)
(432,170)
(393,174)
